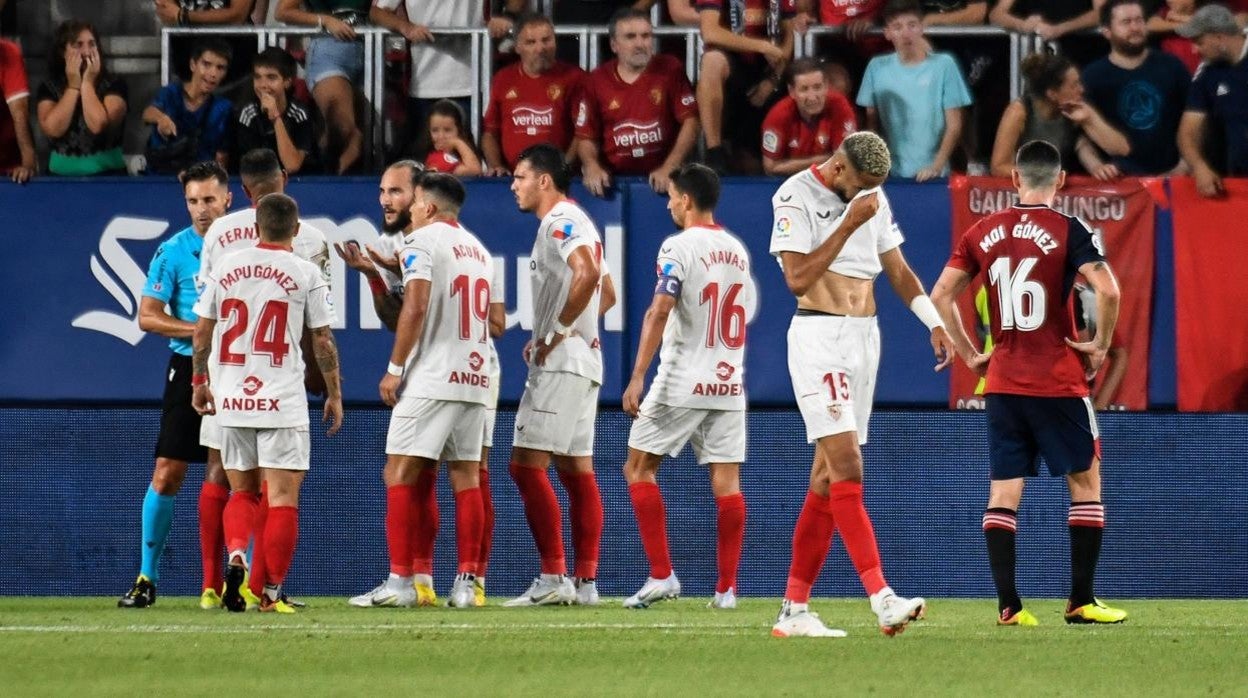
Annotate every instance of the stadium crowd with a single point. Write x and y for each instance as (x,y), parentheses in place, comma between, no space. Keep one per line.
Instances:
(1129,87)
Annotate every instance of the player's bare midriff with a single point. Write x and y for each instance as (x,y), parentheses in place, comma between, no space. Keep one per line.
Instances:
(837,294)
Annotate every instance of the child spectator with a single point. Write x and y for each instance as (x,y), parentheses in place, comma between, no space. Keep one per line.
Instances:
(450,143)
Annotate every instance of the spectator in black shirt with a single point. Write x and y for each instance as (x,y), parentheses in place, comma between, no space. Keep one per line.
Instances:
(273,120)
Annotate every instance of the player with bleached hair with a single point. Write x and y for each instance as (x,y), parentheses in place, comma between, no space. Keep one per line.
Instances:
(833,233)
(704,297)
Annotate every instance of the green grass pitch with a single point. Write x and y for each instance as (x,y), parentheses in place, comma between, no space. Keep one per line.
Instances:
(87,647)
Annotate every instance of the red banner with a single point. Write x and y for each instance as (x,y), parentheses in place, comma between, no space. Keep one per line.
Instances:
(1123,213)
(1211,323)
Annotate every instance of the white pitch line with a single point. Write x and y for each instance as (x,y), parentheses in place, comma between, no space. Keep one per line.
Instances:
(377,629)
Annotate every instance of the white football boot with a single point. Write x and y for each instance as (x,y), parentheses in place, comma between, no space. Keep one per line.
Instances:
(463,592)
(654,590)
(796,620)
(586,592)
(546,590)
(396,591)
(726,600)
(895,612)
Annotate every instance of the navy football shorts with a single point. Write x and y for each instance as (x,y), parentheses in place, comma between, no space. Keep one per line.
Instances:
(1022,428)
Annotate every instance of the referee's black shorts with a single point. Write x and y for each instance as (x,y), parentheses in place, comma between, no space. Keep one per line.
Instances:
(179,422)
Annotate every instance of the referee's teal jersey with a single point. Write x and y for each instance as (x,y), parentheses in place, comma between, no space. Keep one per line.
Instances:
(171,279)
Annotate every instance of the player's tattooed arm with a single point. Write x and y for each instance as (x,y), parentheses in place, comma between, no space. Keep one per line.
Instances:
(388,307)
(326,351)
(201,343)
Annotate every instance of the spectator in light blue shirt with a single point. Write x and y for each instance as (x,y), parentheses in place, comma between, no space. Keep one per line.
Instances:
(914,96)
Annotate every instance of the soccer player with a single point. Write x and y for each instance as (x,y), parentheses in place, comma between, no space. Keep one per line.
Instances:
(1037,391)
(560,401)
(264,296)
(261,174)
(833,234)
(704,297)
(438,383)
(171,281)
(380,265)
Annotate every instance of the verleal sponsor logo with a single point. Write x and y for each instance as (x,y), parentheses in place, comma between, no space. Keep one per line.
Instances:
(630,134)
(525,117)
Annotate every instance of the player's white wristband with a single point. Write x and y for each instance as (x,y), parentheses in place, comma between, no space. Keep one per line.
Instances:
(925,310)
(562,330)
(394,369)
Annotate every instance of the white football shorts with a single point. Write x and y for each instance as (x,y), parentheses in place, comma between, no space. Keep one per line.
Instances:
(832,362)
(718,436)
(436,429)
(210,432)
(491,410)
(281,448)
(557,413)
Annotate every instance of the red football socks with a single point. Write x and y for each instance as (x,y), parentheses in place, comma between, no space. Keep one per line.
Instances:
(239,517)
(652,523)
(469,514)
(730,524)
(845,504)
(585,510)
(487,524)
(281,531)
(541,509)
(212,500)
(812,539)
(425,523)
(258,556)
(399,527)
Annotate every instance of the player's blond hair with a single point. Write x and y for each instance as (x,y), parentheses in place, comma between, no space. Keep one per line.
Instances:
(868,153)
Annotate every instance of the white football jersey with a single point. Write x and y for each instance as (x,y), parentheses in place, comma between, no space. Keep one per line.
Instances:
(262,298)
(388,245)
(563,230)
(702,362)
(498,294)
(237,230)
(807,212)
(451,358)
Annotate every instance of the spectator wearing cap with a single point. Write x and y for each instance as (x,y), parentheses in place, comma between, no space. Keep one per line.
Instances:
(638,112)
(1219,94)
(17,147)
(1172,14)
(806,126)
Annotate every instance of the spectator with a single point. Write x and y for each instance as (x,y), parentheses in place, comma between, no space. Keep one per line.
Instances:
(273,119)
(190,122)
(572,12)
(450,148)
(1063,21)
(334,63)
(916,95)
(532,101)
(638,112)
(740,74)
(17,147)
(986,67)
(1141,92)
(441,66)
(857,16)
(1053,110)
(1217,95)
(502,22)
(81,105)
(808,125)
(955,13)
(209,13)
(1175,13)
(683,12)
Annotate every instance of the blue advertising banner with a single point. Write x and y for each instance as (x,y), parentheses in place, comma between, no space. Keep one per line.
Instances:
(71,287)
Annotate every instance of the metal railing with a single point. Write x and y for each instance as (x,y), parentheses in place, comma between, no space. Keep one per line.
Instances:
(589,37)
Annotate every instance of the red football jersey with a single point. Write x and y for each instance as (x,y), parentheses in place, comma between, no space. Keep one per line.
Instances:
(636,124)
(526,110)
(1029,256)
(837,12)
(12,86)
(757,19)
(787,135)
(439,161)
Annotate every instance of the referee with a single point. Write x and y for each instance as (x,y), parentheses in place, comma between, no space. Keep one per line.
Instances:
(171,281)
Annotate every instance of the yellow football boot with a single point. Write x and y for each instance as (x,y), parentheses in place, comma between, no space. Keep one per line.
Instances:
(1095,612)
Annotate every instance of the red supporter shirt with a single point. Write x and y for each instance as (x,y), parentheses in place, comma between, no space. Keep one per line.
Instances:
(13,86)
(439,161)
(636,124)
(751,18)
(526,110)
(787,135)
(1028,256)
(837,12)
